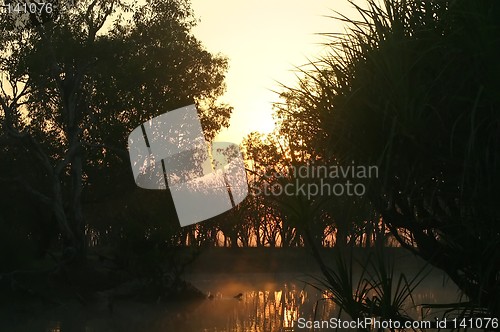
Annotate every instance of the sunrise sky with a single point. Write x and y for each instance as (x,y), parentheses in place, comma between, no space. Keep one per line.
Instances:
(264,40)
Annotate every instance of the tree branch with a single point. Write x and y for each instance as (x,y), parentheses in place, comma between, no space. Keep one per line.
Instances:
(121,153)
(42,197)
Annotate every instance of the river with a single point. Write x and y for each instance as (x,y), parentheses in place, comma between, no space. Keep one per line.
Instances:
(237,300)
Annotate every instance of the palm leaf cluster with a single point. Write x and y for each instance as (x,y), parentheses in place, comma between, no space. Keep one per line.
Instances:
(412,87)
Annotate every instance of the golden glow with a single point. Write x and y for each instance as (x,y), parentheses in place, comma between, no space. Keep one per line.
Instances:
(264,40)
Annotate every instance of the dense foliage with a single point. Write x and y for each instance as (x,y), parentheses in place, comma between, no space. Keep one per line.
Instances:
(74,84)
(413,88)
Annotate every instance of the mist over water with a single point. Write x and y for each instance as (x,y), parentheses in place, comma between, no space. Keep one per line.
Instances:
(237,300)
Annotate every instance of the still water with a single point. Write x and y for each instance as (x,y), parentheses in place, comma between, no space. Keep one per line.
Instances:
(237,302)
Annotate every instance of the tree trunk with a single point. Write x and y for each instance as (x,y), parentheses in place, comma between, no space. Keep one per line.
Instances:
(76,211)
(59,213)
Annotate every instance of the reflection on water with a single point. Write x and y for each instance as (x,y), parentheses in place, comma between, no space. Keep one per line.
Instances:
(263,310)
(54,327)
(273,302)
(268,302)
(246,302)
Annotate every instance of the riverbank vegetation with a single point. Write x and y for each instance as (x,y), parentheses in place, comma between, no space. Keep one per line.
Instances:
(410,90)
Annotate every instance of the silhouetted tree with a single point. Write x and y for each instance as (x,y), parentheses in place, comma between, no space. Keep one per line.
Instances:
(76,85)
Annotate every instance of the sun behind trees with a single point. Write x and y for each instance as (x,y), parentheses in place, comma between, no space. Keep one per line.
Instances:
(413,89)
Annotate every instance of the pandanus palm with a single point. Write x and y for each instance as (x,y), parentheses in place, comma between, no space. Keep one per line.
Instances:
(413,88)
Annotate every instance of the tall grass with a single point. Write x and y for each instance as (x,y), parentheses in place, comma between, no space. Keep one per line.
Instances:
(370,286)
